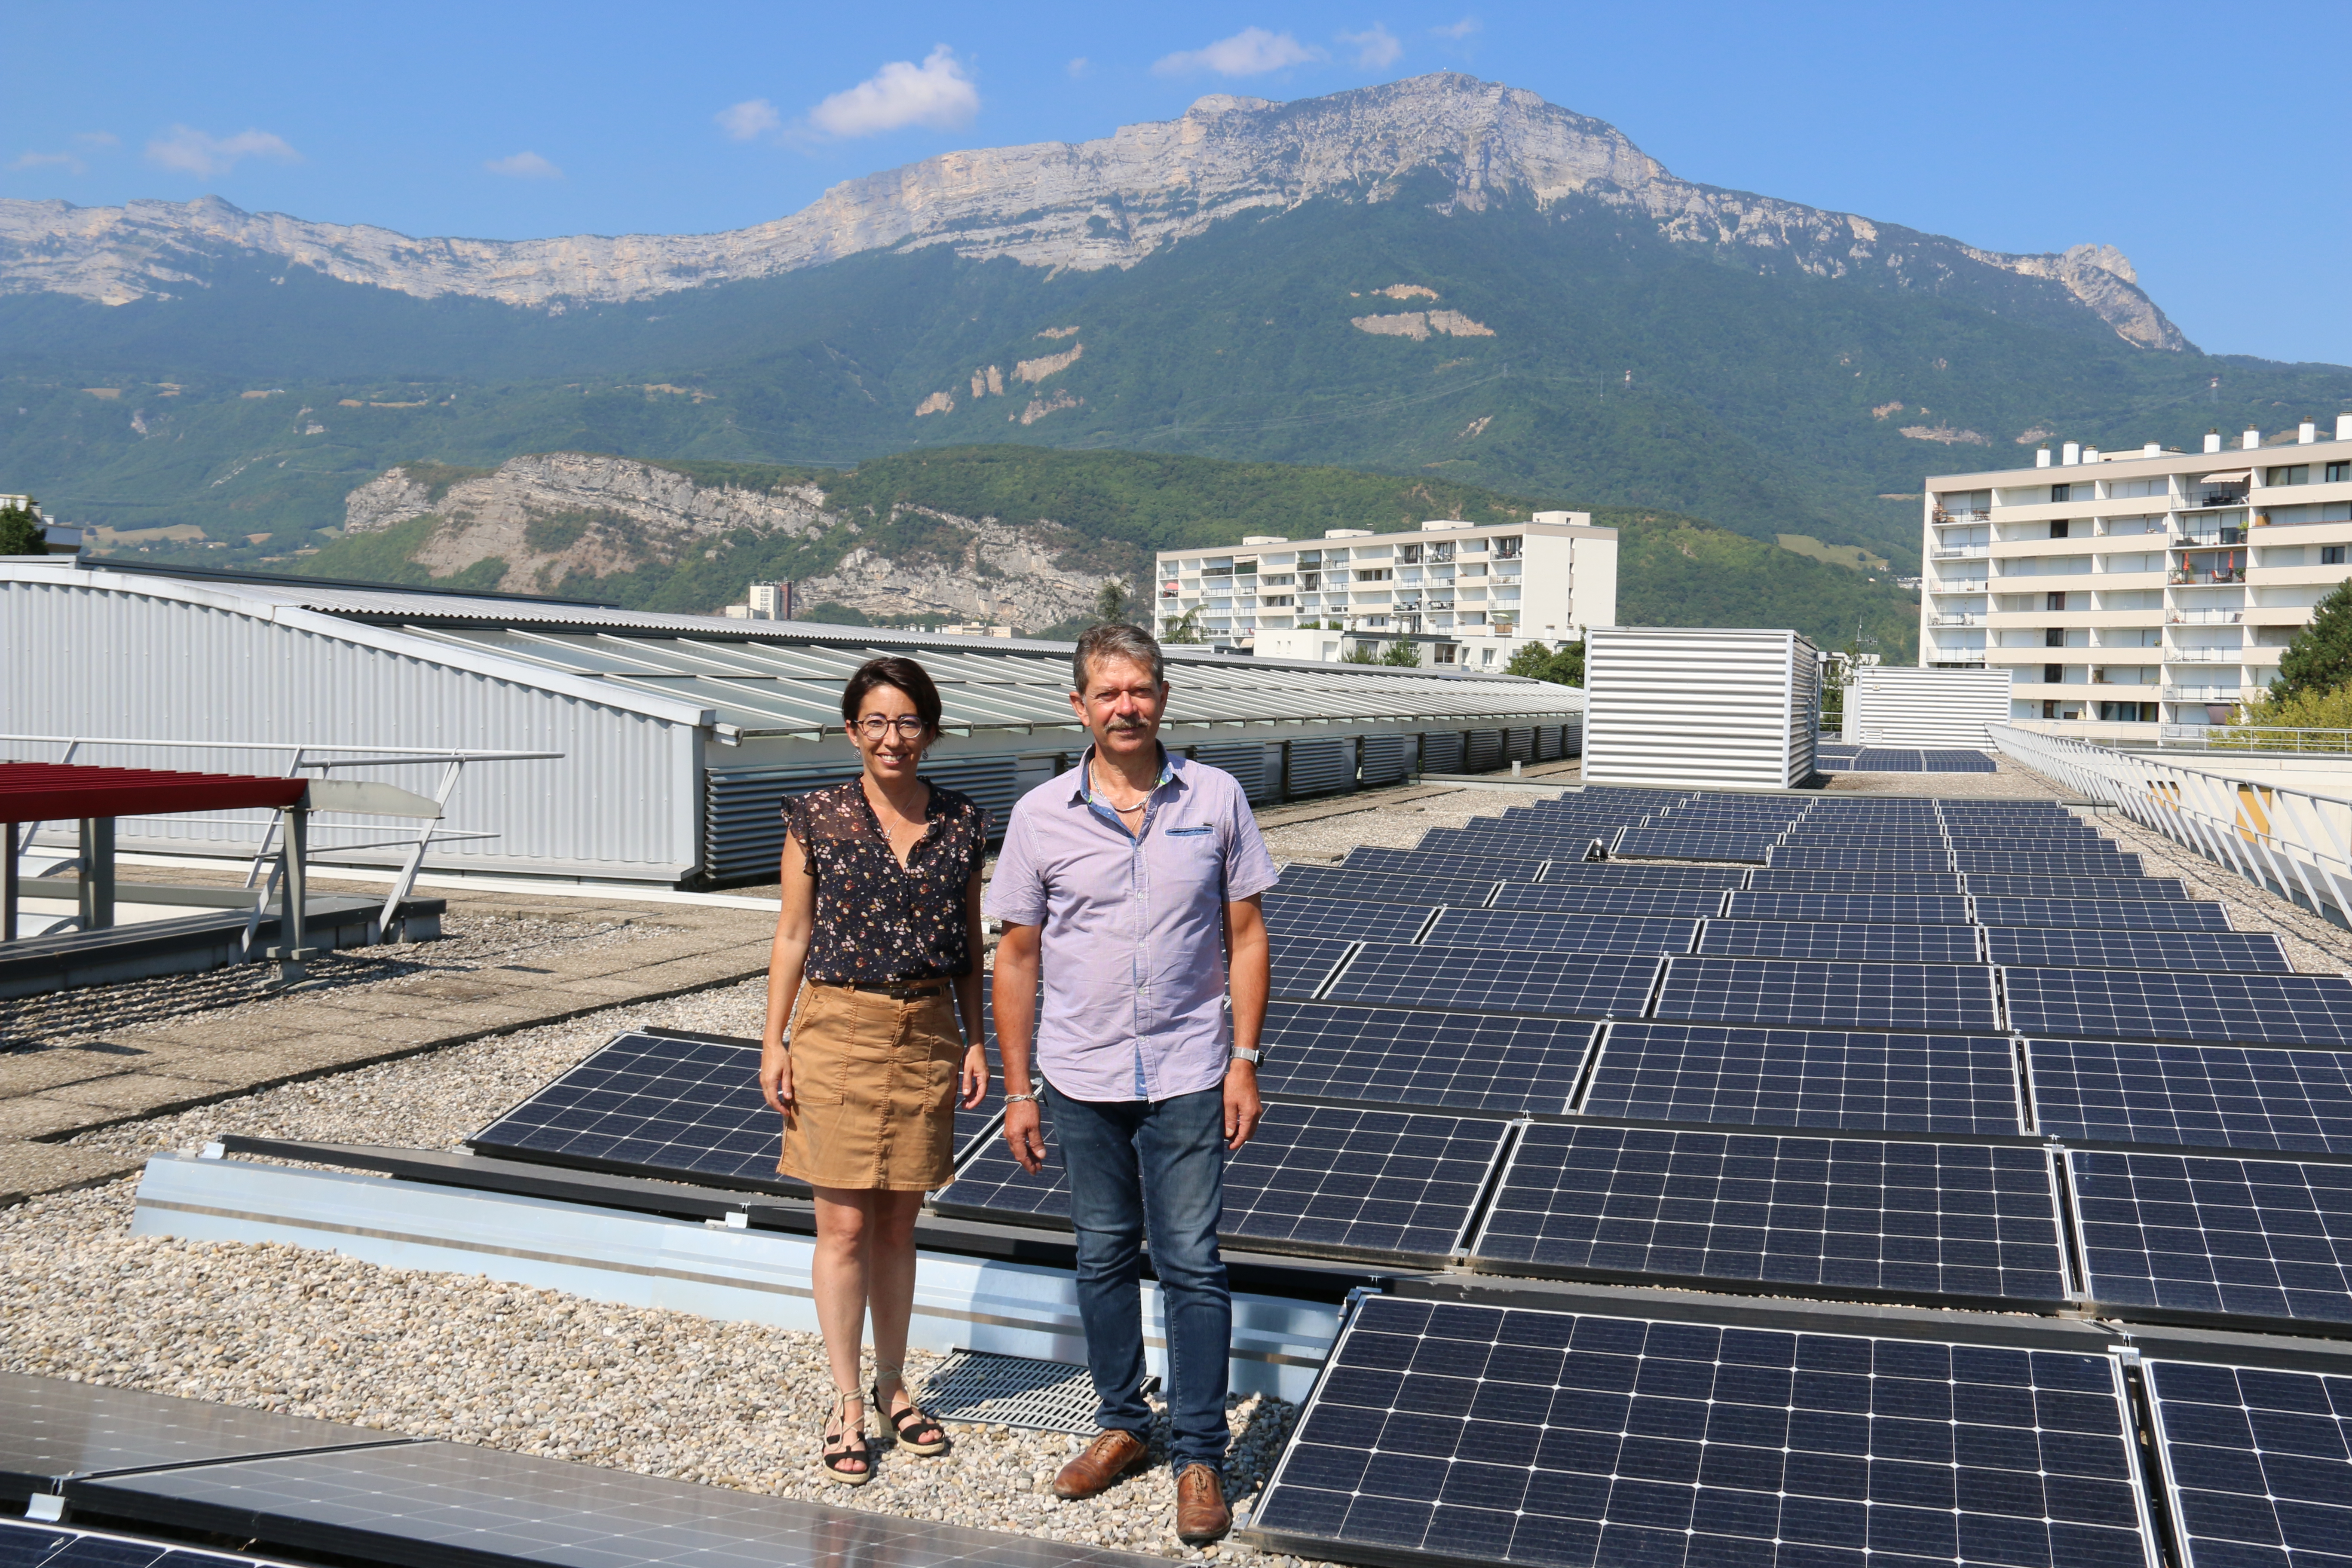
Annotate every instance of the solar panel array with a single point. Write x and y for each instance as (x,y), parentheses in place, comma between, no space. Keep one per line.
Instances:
(1935,1054)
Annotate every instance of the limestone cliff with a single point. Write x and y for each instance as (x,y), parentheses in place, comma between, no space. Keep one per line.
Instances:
(556,515)
(1088,204)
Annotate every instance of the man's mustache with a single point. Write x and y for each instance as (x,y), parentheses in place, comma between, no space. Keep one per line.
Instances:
(1125,724)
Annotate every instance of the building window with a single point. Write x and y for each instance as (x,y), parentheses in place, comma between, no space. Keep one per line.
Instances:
(2055,601)
(1447,652)
(1373,575)
(2052,675)
(2338,472)
(2049,708)
(2059,494)
(2293,474)
(1409,554)
(2058,529)
(2054,636)
(2331,555)
(1507,548)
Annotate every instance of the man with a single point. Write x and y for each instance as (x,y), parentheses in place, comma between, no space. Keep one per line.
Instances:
(1127,877)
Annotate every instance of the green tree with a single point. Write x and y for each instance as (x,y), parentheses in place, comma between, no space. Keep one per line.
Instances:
(1563,666)
(1111,602)
(20,532)
(2328,709)
(1359,653)
(2320,657)
(1185,628)
(1402,653)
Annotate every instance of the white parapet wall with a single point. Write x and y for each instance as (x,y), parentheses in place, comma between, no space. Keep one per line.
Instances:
(1895,705)
(1700,709)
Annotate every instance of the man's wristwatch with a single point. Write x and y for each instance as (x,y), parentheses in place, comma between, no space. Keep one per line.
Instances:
(1244,1054)
(1020,1099)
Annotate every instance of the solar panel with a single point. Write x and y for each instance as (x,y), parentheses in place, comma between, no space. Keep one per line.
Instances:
(2125,1004)
(2210,1233)
(1509,1066)
(1382,887)
(1851,909)
(1427,863)
(2000,885)
(2066,864)
(1917,1220)
(1691,843)
(2229,1097)
(1540,931)
(1774,880)
(2076,947)
(1344,920)
(1318,1180)
(1871,943)
(1579,898)
(1494,979)
(1622,874)
(2257,1461)
(1302,963)
(680,1108)
(1955,762)
(2109,914)
(1981,840)
(1848,1081)
(1455,1433)
(1864,859)
(30,1545)
(1813,993)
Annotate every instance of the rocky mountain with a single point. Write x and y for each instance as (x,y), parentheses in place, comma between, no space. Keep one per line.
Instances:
(1077,205)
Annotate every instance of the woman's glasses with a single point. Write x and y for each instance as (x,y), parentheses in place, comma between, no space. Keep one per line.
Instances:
(874,727)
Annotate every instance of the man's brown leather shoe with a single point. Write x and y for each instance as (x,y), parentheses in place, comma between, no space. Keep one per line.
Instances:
(1110,1456)
(1202,1515)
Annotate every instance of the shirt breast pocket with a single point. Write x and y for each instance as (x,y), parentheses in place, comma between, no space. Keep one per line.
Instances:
(1194,859)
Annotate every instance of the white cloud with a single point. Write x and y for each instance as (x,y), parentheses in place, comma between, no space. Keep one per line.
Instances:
(1374,50)
(1457,31)
(749,119)
(938,92)
(1253,51)
(1080,69)
(192,151)
(524,166)
(66,160)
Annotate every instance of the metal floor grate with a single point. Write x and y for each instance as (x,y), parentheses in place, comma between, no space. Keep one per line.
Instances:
(1013,1391)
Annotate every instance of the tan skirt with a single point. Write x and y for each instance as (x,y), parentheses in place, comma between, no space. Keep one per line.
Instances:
(874,1090)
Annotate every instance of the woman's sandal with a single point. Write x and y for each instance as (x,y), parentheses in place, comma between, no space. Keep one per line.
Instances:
(837,1439)
(911,1420)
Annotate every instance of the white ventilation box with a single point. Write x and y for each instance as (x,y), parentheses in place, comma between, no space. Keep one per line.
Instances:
(1700,709)
(1901,706)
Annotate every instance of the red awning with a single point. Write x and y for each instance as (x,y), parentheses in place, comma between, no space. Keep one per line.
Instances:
(58,792)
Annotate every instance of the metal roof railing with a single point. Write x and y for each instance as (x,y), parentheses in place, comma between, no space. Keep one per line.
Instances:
(2288,841)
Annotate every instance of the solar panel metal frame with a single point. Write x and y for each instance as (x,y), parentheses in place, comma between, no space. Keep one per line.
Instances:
(1797,879)
(1302,966)
(1675,1072)
(2252,1018)
(1353,1050)
(1642,1198)
(1350,1488)
(2288,1474)
(2308,1256)
(1545,930)
(992,1171)
(2152,1095)
(1862,944)
(1749,981)
(2097,947)
(1632,874)
(1429,978)
(1380,861)
(2056,863)
(1382,888)
(1669,844)
(2141,889)
(1864,859)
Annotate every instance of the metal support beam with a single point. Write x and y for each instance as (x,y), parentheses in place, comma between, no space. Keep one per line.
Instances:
(97,889)
(11,890)
(292,951)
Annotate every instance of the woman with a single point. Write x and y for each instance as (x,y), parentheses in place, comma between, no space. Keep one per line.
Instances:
(880,921)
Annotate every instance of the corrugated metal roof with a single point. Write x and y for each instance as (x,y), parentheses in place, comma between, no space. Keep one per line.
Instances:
(784,678)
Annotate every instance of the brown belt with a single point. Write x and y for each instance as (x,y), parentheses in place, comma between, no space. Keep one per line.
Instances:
(896,989)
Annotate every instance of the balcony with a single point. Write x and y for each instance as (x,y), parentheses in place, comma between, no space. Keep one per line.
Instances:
(1963,620)
(2203,618)
(2219,498)
(1940,517)
(2207,539)
(2183,577)
(2202,656)
(2202,693)
(1959,552)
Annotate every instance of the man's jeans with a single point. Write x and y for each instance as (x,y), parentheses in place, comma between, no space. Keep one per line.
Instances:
(1161,1162)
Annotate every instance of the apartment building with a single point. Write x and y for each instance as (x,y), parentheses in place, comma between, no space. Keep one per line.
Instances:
(1470,592)
(2130,591)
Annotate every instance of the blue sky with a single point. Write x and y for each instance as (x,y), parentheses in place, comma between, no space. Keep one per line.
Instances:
(2207,143)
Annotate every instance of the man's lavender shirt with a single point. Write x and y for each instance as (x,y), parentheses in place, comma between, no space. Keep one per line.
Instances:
(1133,939)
